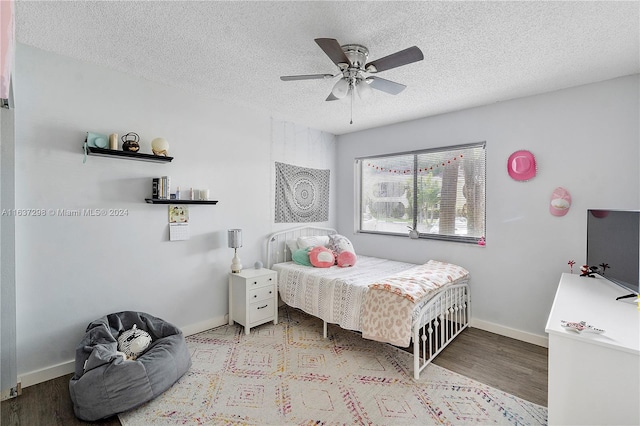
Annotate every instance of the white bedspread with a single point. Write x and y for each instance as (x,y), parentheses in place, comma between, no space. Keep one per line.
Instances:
(334,294)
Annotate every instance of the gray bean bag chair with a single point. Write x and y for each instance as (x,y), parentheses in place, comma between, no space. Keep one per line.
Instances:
(105,384)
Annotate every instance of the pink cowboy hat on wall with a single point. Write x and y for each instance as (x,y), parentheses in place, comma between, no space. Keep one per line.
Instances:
(521,165)
(560,202)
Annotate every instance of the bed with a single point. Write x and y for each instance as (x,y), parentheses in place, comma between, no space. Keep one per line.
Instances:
(400,303)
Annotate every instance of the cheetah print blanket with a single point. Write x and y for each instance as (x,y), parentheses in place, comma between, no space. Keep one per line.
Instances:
(390,303)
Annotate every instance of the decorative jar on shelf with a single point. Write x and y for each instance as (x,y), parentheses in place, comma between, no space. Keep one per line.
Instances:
(130,142)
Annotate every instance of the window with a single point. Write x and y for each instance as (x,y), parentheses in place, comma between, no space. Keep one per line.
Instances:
(440,192)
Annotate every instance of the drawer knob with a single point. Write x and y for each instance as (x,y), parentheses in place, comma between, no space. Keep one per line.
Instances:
(270,292)
(255,295)
(262,307)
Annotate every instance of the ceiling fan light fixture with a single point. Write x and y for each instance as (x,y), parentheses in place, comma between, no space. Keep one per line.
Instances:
(341,88)
(364,90)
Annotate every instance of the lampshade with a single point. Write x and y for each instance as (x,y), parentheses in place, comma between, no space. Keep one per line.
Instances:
(341,88)
(364,90)
(234,238)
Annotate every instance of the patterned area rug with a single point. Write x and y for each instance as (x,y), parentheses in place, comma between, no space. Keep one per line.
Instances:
(288,374)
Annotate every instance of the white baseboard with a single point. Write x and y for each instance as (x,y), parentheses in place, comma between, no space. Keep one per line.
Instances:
(62,369)
(47,373)
(205,325)
(510,332)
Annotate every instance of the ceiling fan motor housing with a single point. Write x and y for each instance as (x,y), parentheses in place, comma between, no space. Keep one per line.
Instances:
(357,55)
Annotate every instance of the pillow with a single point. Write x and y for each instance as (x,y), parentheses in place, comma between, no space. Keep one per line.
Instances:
(322,257)
(346,259)
(342,247)
(292,245)
(133,342)
(313,241)
(301,257)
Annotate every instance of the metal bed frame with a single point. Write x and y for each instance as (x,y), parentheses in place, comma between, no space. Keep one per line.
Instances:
(438,321)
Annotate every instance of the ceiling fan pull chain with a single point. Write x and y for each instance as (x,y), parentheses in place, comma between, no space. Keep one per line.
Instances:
(353,88)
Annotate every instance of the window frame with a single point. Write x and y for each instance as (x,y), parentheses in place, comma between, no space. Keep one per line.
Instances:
(358,208)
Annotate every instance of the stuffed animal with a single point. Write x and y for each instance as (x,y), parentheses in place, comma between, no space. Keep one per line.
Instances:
(342,247)
(133,342)
(321,257)
(301,256)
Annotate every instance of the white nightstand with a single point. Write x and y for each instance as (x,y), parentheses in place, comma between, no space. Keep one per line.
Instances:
(253,297)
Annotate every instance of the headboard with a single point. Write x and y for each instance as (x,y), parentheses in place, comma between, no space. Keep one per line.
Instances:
(277,250)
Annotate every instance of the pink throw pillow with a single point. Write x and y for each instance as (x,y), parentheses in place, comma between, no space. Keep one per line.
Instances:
(346,258)
(322,257)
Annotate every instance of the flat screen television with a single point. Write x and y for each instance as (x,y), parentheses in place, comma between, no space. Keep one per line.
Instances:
(613,241)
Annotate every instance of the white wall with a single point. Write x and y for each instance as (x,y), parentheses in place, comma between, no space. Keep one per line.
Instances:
(72,270)
(585,139)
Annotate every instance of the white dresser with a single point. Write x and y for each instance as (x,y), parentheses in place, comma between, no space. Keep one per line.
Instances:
(253,297)
(594,379)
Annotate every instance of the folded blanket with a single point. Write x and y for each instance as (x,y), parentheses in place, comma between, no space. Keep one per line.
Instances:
(388,306)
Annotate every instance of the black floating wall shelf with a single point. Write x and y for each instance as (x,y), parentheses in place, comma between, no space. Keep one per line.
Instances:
(165,201)
(130,155)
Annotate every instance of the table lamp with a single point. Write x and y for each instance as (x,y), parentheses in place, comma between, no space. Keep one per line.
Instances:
(235,241)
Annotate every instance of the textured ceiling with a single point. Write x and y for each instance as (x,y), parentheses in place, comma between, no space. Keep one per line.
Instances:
(476,53)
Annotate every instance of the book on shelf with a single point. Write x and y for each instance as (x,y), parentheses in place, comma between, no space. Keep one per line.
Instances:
(155,188)
(167,187)
(161,188)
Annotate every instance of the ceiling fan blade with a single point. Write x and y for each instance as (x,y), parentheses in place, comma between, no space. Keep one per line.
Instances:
(332,48)
(305,77)
(403,57)
(386,85)
(331,97)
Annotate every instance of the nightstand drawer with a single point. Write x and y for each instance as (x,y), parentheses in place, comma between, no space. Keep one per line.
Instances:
(261,311)
(253,297)
(261,293)
(260,281)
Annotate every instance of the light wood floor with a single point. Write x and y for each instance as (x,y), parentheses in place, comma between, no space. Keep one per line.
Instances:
(510,365)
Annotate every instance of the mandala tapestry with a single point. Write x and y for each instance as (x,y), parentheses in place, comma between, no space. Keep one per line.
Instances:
(302,194)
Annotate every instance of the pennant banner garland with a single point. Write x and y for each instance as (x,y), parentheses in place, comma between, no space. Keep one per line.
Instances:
(444,163)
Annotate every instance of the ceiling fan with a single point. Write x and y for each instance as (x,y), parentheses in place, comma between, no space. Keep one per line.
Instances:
(355,72)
